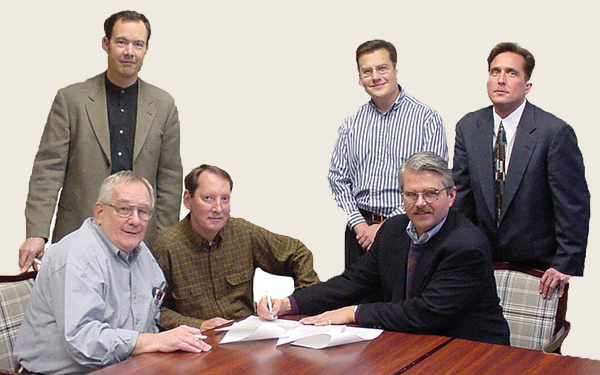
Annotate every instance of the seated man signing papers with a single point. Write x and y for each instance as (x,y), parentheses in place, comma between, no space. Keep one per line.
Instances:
(209,258)
(432,265)
(96,299)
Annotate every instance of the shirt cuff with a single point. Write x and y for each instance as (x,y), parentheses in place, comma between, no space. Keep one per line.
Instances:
(355,218)
(294,309)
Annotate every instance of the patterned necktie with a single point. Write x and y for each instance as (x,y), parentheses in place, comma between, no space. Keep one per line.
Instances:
(499,170)
(414,255)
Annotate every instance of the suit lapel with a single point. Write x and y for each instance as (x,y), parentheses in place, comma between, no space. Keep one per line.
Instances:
(525,142)
(482,147)
(145,118)
(400,258)
(97,113)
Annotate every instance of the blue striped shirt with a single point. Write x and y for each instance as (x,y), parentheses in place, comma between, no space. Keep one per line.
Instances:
(370,149)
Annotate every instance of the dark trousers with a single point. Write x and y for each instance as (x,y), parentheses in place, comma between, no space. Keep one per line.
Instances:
(353,252)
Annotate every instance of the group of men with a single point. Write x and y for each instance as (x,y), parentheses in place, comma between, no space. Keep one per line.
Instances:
(421,237)
(100,291)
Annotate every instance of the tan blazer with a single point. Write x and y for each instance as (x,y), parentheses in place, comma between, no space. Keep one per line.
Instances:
(74,155)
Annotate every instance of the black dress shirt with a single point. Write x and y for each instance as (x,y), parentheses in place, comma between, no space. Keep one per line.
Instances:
(121,106)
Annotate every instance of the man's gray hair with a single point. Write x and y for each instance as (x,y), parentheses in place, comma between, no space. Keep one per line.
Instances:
(427,161)
(122,177)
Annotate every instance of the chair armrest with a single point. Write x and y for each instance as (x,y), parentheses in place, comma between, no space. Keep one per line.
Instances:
(553,346)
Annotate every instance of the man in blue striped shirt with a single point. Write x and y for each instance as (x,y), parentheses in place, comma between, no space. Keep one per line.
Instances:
(374,143)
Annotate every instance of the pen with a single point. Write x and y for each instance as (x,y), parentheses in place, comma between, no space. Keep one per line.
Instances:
(36,260)
(270,303)
(201,337)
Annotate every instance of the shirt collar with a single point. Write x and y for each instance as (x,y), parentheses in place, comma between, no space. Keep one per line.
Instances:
(200,242)
(394,105)
(412,232)
(111,87)
(511,121)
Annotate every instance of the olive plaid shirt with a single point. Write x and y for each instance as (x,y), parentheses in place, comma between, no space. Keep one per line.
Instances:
(206,281)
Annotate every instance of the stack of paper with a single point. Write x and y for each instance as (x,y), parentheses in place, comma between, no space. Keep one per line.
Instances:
(294,333)
(253,328)
(319,337)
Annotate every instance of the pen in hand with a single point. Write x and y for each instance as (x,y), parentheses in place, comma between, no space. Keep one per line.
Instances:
(270,305)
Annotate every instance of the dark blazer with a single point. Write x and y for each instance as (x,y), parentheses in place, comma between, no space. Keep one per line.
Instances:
(454,290)
(74,155)
(546,202)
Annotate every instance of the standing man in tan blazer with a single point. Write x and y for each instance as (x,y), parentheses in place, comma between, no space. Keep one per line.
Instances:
(111,122)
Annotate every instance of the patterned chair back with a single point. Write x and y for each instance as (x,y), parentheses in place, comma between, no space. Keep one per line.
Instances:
(533,321)
(14,298)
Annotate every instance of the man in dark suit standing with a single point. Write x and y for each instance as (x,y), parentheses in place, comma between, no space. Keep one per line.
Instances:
(520,176)
(432,266)
(109,123)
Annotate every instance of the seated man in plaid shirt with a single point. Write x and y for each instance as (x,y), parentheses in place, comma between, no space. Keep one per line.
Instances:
(209,258)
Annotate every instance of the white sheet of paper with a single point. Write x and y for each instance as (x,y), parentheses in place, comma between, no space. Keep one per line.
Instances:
(252,328)
(309,330)
(337,335)
(292,332)
(274,285)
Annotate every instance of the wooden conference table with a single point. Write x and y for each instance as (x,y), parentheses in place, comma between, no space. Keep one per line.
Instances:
(390,353)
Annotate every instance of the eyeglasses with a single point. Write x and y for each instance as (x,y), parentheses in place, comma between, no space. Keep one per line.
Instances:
(430,195)
(125,210)
(368,71)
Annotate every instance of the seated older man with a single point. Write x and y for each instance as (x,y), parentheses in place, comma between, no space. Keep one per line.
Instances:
(209,258)
(432,266)
(96,299)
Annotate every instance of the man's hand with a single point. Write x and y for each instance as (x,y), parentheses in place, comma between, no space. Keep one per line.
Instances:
(280,307)
(32,248)
(365,234)
(345,315)
(180,338)
(212,323)
(551,279)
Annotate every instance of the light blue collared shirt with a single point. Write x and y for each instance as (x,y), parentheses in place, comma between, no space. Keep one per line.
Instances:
(89,304)
(412,232)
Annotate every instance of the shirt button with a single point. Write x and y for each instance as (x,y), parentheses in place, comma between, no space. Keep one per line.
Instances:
(121,131)
(122,110)
(137,322)
(120,153)
(134,297)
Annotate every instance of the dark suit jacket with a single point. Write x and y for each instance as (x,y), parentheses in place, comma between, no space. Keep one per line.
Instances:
(546,201)
(454,287)
(74,155)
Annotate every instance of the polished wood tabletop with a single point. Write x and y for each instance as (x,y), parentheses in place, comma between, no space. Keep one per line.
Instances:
(470,357)
(390,353)
(386,354)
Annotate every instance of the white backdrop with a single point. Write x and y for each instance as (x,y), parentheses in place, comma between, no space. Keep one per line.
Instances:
(262,87)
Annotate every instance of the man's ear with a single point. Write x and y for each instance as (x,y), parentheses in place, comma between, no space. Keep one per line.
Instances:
(452,195)
(186,199)
(105,42)
(98,212)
